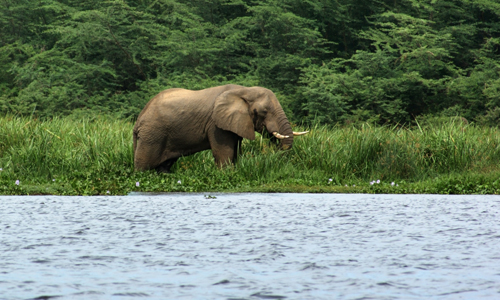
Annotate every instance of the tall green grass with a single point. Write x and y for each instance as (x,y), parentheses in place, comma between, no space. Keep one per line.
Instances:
(29,147)
(67,156)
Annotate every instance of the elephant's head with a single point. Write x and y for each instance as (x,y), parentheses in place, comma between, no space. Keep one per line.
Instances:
(246,110)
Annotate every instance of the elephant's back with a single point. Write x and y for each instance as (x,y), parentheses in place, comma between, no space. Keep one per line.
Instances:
(184,100)
(195,97)
(173,102)
(182,104)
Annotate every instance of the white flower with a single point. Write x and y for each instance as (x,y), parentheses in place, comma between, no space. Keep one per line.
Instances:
(353,185)
(378,181)
(372,182)
(346,185)
(1,169)
(179,182)
(392,183)
(330,180)
(53,180)
(137,183)
(17,182)
(107,192)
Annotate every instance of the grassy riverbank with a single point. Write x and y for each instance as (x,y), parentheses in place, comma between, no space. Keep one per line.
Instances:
(91,157)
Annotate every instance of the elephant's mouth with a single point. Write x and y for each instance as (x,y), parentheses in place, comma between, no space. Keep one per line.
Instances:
(259,126)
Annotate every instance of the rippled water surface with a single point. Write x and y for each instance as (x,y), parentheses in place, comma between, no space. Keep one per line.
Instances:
(250,246)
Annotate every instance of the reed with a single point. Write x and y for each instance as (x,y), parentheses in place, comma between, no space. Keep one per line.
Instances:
(67,156)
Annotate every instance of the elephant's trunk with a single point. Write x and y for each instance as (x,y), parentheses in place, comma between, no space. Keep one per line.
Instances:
(285,130)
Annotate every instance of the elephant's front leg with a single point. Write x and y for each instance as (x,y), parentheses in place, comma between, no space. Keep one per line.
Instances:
(225,145)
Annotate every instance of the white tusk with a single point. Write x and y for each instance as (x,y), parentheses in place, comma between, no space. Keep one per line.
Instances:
(279,136)
(300,133)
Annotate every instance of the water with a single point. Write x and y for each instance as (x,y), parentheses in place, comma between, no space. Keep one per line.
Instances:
(250,246)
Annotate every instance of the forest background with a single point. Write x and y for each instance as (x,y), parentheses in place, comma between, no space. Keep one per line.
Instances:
(382,61)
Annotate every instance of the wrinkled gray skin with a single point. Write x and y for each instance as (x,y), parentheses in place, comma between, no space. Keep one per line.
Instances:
(179,122)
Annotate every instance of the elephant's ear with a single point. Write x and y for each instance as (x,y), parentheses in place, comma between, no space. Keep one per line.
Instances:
(231,113)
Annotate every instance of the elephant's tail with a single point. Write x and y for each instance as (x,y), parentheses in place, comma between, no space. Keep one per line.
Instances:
(135,141)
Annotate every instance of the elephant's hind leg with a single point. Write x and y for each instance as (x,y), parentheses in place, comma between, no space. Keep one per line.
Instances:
(165,166)
(147,156)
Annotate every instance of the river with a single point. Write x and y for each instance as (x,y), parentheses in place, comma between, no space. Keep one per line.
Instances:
(250,246)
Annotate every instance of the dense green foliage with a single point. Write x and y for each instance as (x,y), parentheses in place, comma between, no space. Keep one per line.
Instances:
(328,61)
(66,156)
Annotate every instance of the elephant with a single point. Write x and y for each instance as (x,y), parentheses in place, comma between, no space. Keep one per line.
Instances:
(179,122)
